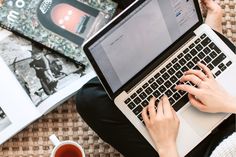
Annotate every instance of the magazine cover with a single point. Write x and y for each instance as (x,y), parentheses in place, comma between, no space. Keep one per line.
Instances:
(41,72)
(59,24)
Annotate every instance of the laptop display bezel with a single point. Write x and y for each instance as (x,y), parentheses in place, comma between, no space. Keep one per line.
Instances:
(140,75)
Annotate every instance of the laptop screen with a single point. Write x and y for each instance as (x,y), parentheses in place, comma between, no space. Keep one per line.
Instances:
(140,37)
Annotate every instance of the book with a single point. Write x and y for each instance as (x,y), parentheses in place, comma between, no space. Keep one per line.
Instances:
(62,25)
(34,80)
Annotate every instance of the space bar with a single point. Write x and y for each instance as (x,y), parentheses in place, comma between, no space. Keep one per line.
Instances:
(180,103)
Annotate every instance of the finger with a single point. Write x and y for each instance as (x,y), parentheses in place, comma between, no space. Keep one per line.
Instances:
(166,106)
(160,108)
(196,103)
(145,115)
(193,78)
(151,107)
(198,73)
(174,113)
(189,89)
(206,70)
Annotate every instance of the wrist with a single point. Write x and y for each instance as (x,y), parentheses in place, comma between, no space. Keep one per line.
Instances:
(171,150)
(231,105)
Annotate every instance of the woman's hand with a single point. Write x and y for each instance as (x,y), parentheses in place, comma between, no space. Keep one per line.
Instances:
(208,95)
(162,124)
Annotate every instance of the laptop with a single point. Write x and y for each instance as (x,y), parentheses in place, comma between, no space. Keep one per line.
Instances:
(144,51)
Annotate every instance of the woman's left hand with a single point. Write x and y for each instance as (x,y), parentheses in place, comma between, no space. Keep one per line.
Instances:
(163,125)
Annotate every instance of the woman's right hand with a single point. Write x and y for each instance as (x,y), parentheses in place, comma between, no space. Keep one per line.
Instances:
(208,95)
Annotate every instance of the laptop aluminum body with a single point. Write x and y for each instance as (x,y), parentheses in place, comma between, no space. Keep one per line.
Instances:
(194,125)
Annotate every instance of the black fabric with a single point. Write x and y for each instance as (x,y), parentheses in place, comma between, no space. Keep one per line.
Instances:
(101,114)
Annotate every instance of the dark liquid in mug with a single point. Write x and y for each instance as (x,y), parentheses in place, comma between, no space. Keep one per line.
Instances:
(68,150)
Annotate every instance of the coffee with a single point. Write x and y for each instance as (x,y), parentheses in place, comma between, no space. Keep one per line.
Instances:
(68,150)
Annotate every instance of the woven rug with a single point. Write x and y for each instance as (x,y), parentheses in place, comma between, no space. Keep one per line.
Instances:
(67,124)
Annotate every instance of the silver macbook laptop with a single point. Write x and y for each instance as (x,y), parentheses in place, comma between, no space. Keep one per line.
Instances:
(144,51)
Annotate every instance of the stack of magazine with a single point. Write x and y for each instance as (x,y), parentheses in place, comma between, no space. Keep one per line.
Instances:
(41,59)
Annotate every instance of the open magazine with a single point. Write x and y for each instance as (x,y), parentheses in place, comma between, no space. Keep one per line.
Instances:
(33,81)
(62,25)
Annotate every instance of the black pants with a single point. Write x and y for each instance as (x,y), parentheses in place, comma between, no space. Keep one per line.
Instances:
(100,113)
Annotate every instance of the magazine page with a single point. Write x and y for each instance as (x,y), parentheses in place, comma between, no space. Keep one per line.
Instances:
(16,109)
(62,25)
(48,78)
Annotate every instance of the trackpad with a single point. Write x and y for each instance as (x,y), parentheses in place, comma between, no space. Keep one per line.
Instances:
(202,122)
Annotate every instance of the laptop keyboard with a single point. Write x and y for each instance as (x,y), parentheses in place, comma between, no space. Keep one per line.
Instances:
(164,81)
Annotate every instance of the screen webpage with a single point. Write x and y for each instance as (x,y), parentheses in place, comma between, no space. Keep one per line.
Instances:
(140,37)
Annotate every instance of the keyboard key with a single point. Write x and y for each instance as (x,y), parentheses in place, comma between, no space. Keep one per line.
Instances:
(186,50)
(197,41)
(140,117)
(174,60)
(168,65)
(223,68)
(182,61)
(220,65)
(196,60)
(169,93)
(173,88)
(171,71)
(173,79)
(133,95)
(127,101)
(154,85)
(176,96)
(138,109)
(210,66)
(184,69)
(144,103)
(137,100)
(148,90)
(190,65)
(172,101)
(143,95)
(196,68)
(219,59)
(206,41)
(187,57)
(151,80)
(177,66)
(193,52)
(167,84)
(131,105)
(145,85)
(181,92)
(156,93)
(157,75)
(191,45)
(201,55)
(160,81)
(149,97)
(199,47)
(229,63)
(218,73)
(163,70)
(165,76)
(206,50)
(203,36)
(139,90)
(214,47)
(179,74)
(213,54)
(162,89)
(207,59)
(180,55)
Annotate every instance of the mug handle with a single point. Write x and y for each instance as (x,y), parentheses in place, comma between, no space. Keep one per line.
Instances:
(53,138)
